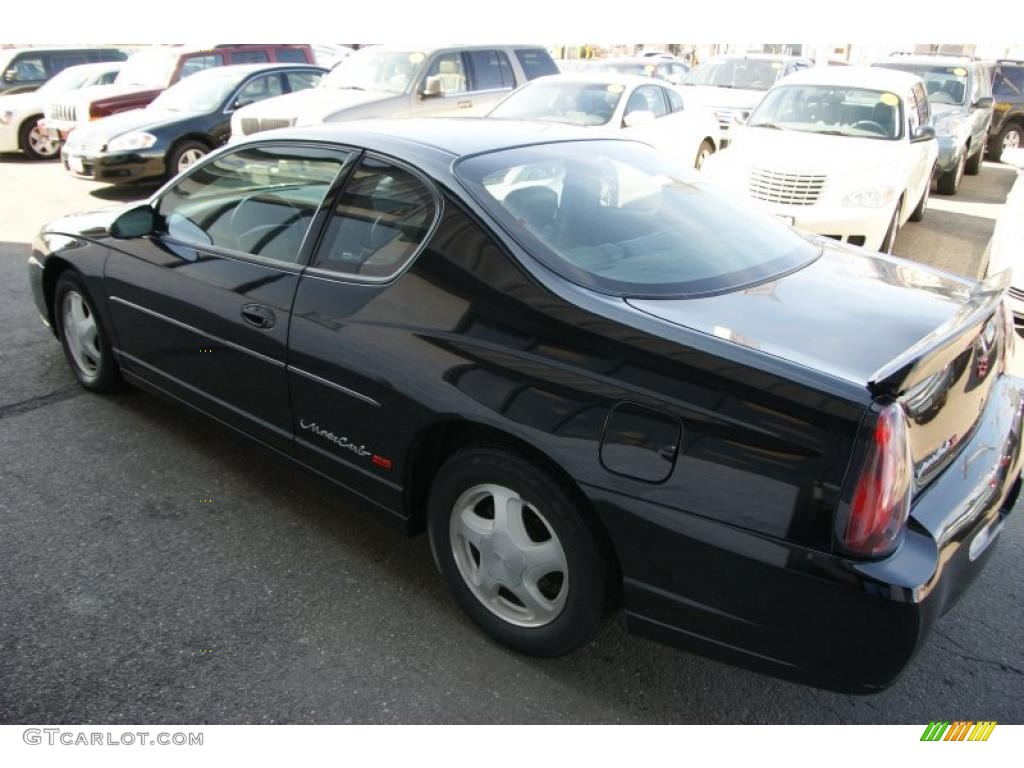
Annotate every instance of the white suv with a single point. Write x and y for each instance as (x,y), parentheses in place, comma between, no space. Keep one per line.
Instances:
(389,81)
(844,152)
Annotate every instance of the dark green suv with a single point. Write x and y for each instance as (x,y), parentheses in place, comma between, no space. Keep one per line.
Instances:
(1007,131)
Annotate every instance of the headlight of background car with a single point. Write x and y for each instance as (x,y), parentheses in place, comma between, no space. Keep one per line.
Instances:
(870,197)
(129,141)
(5,117)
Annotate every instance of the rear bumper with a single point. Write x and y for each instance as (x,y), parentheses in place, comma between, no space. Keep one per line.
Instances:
(810,616)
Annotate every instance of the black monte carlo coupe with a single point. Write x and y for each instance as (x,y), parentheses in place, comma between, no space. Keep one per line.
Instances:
(588,375)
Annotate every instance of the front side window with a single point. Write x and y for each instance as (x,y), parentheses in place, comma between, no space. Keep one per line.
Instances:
(748,74)
(491,70)
(300,81)
(621,218)
(450,69)
(647,98)
(258,89)
(258,201)
(383,216)
(26,69)
(536,62)
(195,64)
(562,102)
(1009,81)
(831,110)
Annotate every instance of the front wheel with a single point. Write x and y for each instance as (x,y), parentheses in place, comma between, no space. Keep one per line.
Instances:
(949,182)
(184,156)
(1011,137)
(85,341)
(516,551)
(34,143)
(707,149)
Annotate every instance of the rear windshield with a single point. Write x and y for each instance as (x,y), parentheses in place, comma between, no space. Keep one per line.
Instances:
(621,218)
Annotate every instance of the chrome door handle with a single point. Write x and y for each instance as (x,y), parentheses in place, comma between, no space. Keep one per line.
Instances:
(464,104)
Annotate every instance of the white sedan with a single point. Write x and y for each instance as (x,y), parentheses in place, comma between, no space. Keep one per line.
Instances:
(20,112)
(649,110)
(844,152)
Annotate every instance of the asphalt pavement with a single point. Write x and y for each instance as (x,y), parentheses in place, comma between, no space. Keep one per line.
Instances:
(155,568)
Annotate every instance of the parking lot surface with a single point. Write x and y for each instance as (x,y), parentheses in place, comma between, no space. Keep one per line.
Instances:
(155,568)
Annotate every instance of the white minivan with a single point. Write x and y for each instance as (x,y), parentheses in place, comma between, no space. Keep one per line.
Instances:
(845,152)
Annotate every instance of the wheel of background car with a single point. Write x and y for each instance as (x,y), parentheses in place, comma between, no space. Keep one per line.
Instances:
(516,551)
(949,182)
(870,125)
(707,149)
(889,241)
(973,165)
(81,332)
(922,205)
(184,155)
(1010,137)
(34,143)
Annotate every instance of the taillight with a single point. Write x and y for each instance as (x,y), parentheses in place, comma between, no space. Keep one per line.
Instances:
(873,521)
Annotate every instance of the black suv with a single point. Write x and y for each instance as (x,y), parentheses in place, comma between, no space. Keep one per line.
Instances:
(1007,131)
(25,69)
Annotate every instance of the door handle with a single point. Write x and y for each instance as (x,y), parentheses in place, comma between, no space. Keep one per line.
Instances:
(258,315)
(464,104)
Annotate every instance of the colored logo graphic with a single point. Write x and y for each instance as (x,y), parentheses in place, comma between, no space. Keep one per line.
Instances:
(960,730)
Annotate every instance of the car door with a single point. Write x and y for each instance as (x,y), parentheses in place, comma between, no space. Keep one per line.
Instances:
(347,341)
(255,88)
(201,307)
(921,154)
(490,77)
(450,70)
(981,118)
(661,131)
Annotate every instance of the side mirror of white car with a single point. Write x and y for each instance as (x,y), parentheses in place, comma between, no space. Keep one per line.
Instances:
(638,117)
(1014,157)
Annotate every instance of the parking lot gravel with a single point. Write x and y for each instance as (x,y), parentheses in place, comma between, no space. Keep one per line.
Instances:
(157,569)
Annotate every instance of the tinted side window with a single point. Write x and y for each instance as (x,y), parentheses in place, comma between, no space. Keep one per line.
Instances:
(675,101)
(258,201)
(449,66)
(259,88)
(649,98)
(382,217)
(490,70)
(291,56)
(250,57)
(27,69)
(1009,81)
(198,63)
(536,62)
(106,78)
(64,59)
(300,81)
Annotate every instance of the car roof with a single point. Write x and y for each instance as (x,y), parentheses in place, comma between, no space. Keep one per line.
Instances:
(428,49)
(609,77)
(876,78)
(455,136)
(248,69)
(923,58)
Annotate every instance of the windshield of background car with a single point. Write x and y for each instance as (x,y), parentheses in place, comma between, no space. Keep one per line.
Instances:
(152,68)
(641,68)
(70,79)
(621,218)
(945,85)
(748,74)
(575,103)
(369,70)
(831,110)
(202,92)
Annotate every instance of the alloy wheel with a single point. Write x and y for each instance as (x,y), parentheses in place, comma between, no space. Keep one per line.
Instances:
(509,555)
(41,144)
(189,158)
(1012,139)
(81,333)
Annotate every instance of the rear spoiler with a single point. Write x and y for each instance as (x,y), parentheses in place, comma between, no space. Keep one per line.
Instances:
(930,353)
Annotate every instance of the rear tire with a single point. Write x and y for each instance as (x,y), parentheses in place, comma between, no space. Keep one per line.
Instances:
(83,336)
(706,150)
(35,145)
(973,165)
(534,578)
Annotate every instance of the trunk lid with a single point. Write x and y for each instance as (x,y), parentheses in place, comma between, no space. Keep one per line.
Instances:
(901,330)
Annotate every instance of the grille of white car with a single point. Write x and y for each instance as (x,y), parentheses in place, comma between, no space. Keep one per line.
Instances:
(724,117)
(63,112)
(257,124)
(786,188)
